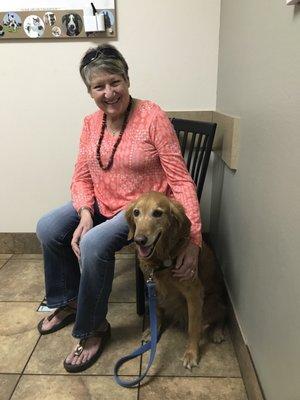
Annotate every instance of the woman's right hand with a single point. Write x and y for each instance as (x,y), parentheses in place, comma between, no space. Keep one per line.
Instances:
(85,224)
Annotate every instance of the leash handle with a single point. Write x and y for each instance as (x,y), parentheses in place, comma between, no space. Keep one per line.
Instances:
(150,345)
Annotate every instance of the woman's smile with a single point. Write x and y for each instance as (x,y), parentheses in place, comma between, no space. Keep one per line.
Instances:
(110,93)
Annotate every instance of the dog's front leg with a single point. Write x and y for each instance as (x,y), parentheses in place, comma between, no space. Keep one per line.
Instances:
(194,303)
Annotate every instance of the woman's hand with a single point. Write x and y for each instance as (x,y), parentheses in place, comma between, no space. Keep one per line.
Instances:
(187,263)
(85,224)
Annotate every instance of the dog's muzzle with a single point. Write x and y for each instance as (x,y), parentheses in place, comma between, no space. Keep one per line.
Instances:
(144,250)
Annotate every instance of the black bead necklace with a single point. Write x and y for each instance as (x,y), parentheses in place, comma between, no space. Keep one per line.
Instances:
(111,158)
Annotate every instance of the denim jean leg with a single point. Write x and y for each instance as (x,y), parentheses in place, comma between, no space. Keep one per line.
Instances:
(62,275)
(97,249)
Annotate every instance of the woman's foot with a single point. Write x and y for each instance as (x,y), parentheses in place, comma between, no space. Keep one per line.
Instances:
(61,317)
(87,351)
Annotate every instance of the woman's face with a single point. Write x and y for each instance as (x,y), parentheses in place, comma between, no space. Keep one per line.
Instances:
(110,93)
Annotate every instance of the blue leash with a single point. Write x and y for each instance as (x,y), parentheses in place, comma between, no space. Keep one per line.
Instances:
(150,345)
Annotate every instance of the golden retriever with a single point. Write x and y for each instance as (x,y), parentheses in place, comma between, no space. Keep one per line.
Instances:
(161,230)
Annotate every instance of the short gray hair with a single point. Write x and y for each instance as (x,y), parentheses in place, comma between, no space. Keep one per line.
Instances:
(102,58)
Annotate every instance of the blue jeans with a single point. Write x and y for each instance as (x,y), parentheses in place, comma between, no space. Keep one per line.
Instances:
(91,282)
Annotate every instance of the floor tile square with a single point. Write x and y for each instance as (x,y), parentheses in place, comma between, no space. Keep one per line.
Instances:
(52,349)
(18,335)
(193,389)
(215,359)
(22,280)
(7,384)
(123,289)
(71,388)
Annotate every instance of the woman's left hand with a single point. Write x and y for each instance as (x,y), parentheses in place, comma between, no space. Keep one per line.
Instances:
(187,263)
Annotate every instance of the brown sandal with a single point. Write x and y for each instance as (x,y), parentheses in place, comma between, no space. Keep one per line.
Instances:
(105,335)
(66,321)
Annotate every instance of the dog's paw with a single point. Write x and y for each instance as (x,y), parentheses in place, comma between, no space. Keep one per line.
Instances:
(217,335)
(190,359)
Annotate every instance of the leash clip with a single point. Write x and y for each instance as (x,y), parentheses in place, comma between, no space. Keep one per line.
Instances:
(150,279)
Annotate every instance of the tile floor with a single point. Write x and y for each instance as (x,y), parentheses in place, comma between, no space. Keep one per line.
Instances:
(31,365)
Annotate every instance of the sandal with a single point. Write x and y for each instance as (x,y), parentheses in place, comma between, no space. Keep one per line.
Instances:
(66,321)
(105,335)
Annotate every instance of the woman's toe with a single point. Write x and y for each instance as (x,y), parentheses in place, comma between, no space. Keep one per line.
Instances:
(45,324)
(74,360)
(69,358)
(80,359)
(85,358)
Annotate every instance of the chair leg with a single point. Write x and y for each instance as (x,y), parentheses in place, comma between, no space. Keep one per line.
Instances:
(140,289)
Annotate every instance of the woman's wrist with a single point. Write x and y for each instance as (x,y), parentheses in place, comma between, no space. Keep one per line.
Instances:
(83,210)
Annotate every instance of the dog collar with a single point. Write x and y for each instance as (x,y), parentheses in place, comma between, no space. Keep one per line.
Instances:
(164,265)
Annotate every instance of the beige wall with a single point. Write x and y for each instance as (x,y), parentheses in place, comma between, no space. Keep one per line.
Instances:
(256,220)
(172,51)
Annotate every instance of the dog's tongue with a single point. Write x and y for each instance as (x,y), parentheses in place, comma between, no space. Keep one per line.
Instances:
(144,250)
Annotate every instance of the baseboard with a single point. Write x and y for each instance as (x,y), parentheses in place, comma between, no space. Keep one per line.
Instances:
(247,368)
(27,243)
(19,243)
(250,378)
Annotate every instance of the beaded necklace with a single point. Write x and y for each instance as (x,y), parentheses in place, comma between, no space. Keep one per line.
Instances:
(111,158)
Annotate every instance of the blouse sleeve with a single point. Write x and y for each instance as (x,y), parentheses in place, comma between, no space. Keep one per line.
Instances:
(82,189)
(181,183)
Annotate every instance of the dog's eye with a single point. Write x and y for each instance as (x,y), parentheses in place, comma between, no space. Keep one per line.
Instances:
(136,212)
(157,213)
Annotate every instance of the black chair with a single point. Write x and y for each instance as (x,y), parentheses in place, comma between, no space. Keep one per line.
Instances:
(196,140)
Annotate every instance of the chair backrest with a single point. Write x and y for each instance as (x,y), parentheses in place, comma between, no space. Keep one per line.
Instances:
(196,140)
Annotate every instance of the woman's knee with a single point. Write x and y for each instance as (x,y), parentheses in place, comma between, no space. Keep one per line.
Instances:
(43,232)
(95,246)
(54,226)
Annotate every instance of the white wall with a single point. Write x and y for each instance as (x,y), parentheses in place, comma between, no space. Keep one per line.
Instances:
(172,52)
(259,223)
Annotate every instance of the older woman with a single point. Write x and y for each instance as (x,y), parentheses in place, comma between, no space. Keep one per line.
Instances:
(127,147)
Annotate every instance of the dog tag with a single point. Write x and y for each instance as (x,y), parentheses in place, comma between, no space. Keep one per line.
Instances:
(167,263)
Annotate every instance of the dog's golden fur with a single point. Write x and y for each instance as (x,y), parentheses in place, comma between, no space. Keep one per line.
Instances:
(161,231)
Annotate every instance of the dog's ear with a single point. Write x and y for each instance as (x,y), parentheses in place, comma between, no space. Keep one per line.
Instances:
(130,220)
(64,18)
(179,218)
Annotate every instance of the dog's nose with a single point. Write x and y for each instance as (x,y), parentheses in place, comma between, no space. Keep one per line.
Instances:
(141,240)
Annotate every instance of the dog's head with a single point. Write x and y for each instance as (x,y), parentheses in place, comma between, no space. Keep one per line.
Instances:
(71,22)
(49,18)
(158,225)
(10,17)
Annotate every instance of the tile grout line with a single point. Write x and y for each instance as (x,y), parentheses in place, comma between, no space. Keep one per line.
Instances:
(72,375)
(22,372)
(5,262)
(9,373)
(195,376)
(127,375)
(39,301)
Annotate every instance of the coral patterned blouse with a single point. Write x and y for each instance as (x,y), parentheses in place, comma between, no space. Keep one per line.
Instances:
(147,158)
